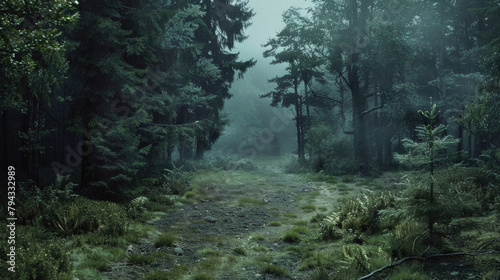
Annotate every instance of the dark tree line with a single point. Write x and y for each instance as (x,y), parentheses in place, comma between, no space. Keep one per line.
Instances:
(364,68)
(107,90)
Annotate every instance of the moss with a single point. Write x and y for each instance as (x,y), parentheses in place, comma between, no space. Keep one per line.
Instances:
(274,224)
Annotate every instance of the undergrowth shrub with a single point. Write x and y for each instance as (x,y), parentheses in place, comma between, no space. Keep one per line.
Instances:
(38,256)
(174,181)
(357,215)
(340,158)
(85,215)
(405,240)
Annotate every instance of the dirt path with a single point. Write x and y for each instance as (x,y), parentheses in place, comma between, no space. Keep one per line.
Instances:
(236,223)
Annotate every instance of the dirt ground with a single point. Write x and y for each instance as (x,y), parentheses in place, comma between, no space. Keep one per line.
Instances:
(236,210)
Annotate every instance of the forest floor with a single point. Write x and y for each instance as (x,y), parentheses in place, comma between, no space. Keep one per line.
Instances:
(255,225)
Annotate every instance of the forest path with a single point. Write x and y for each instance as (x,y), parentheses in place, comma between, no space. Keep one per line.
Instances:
(236,224)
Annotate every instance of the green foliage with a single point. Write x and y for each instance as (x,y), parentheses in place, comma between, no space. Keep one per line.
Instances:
(357,215)
(240,251)
(202,276)
(340,158)
(291,236)
(166,239)
(38,255)
(405,240)
(221,162)
(84,215)
(274,224)
(274,270)
(430,153)
(173,182)
(140,259)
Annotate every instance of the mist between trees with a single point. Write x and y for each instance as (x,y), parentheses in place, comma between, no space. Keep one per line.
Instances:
(119,100)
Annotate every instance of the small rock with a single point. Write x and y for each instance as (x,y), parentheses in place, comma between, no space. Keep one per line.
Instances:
(209,219)
(179,251)
(130,249)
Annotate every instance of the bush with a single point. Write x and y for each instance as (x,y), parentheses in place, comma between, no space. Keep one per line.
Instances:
(357,215)
(38,256)
(85,215)
(340,158)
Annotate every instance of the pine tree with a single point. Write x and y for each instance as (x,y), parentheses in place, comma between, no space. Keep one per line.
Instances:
(427,154)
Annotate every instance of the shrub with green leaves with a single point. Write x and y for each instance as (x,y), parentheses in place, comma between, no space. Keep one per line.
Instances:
(85,215)
(356,215)
(38,256)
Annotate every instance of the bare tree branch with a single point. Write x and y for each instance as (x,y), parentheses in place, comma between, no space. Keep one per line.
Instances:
(373,109)
(472,253)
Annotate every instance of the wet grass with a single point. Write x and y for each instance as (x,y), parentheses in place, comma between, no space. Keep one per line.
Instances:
(166,239)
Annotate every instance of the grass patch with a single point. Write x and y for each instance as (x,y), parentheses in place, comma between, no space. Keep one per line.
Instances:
(260,248)
(308,208)
(410,272)
(240,251)
(210,264)
(190,194)
(98,260)
(274,270)
(322,208)
(141,259)
(257,237)
(291,236)
(290,215)
(300,230)
(250,201)
(274,224)
(175,273)
(299,223)
(166,239)
(202,276)
(347,179)
(207,252)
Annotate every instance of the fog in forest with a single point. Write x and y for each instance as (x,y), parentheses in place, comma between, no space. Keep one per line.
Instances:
(250,140)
